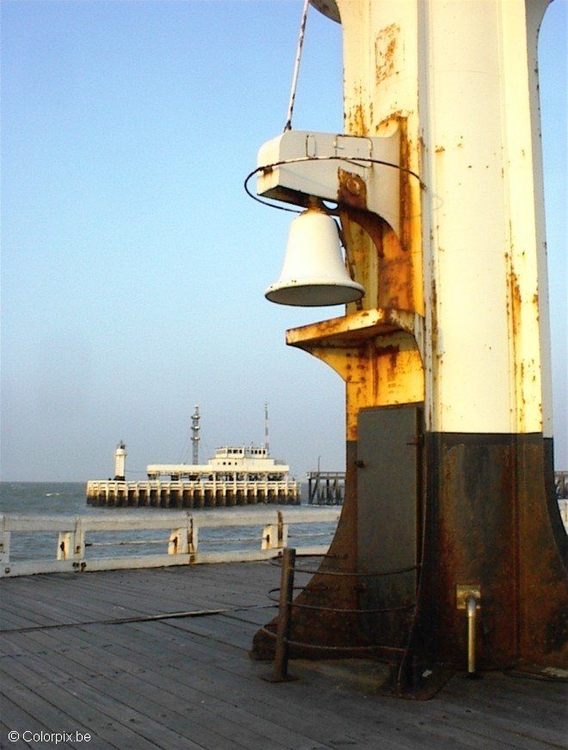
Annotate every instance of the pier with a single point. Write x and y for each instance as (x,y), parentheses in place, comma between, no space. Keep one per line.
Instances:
(326,487)
(190,494)
(561,484)
(145,659)
(236,475)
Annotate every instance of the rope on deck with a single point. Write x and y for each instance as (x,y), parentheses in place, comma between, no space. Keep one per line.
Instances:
(138,618)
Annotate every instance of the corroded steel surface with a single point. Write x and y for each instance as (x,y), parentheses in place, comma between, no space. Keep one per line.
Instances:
(497,536)
(375,351)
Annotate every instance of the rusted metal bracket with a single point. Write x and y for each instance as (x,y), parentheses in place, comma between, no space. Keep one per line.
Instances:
(363,325)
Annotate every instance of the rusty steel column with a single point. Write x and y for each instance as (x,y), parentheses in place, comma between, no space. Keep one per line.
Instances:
(454,322)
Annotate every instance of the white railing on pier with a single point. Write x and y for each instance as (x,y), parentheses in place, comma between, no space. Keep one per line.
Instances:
(79,542)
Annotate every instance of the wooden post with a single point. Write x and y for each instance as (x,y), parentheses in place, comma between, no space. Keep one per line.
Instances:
(5,537)
(280,667)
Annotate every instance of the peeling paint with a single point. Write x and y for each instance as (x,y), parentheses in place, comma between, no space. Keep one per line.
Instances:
(387,52)
(356,120)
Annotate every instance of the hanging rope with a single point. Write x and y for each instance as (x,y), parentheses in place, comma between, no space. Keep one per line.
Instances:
(288,125)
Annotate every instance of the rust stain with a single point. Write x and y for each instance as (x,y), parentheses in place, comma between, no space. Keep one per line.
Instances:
(392,277)
(356,120)
(406,203)
(393,369)
(437,356)
(516,303)
(387,52)
(396,277)
(352,190)
(372,224)
(400,262)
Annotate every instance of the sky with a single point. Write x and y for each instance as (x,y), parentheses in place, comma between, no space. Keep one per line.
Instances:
(134,263)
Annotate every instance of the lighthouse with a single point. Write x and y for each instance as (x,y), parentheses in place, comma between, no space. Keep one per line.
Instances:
(119,461)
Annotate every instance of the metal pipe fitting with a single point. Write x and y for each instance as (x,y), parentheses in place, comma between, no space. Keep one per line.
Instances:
(471,609)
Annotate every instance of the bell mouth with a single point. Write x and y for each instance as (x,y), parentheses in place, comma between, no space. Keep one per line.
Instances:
(314,272)
(314,293)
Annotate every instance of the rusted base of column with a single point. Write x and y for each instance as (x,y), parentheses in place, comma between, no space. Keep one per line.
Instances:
(492,523)
(489,521)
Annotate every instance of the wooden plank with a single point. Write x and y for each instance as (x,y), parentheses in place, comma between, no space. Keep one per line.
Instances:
(224,630)
(74,598)
(195,673)
(65,698)
(522,719)
(510,725)
(130,687)
(158,698)
(15,719)
(26,688)
(318,717)
(167,668)
(153,669)
(48,602)
(13,617)
(443,734)
(46,611)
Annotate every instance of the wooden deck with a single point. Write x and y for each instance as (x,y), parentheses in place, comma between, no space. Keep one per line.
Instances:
(89,653)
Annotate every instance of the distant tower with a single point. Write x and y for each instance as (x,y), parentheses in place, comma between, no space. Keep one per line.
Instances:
(195,437)
(266,445)
(119,461)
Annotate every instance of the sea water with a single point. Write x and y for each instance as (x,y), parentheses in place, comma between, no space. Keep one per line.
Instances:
(62,499)
(45,499)
(69,499)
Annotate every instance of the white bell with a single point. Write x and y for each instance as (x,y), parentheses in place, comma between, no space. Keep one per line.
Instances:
(314,272)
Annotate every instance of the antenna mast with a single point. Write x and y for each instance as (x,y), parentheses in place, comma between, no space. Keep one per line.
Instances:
(195,436)
(266,445)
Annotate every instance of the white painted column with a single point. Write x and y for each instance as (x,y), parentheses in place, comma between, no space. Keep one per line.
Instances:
(482,228)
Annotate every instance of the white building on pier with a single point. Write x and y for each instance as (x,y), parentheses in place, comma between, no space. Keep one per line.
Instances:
(236,475)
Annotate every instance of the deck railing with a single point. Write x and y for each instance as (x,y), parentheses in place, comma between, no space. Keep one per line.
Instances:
(82,543)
